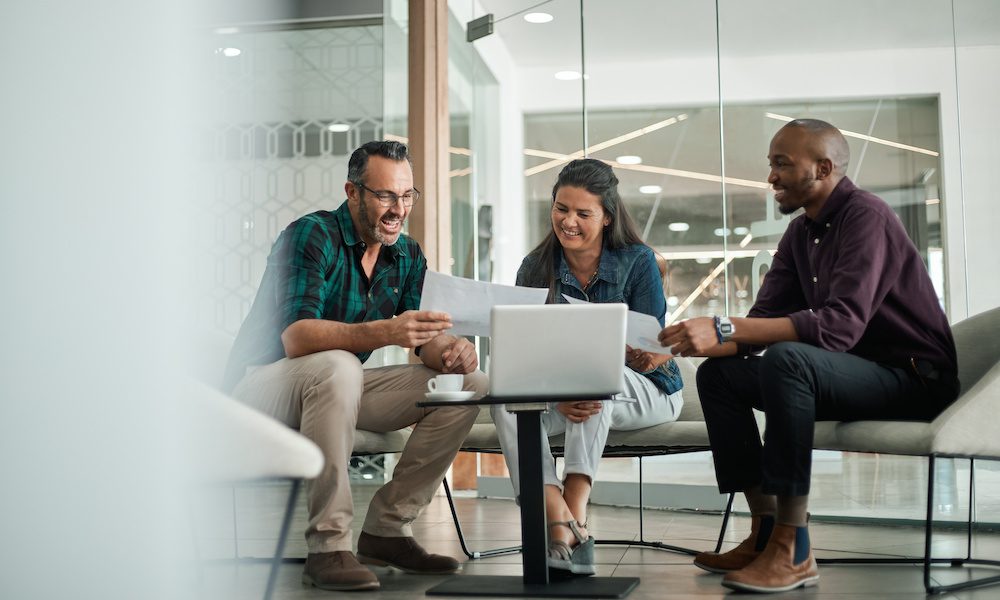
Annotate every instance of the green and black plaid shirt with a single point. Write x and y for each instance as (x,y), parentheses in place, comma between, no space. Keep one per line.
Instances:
(314,272)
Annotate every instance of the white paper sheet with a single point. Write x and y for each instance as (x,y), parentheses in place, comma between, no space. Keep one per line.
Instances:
(469,301)
(641,330)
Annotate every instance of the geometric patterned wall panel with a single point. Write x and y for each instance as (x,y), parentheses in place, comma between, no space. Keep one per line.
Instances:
(274,156)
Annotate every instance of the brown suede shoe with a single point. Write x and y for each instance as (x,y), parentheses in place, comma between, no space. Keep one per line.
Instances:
(403,553)
(742,555)
(337,571)
(776,569)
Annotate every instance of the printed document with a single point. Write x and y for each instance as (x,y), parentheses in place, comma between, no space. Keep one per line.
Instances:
(469,301)
(641,330)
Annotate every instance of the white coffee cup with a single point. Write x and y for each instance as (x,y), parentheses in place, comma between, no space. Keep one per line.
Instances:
(446,382)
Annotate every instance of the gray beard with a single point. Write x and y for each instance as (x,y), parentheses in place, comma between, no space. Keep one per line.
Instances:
(368,225)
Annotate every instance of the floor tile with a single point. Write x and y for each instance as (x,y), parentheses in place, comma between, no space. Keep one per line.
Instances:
(493,523)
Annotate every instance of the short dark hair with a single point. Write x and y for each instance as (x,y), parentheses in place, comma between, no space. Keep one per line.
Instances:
(358,164)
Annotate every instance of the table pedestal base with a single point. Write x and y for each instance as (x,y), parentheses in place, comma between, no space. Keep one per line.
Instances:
(514,586)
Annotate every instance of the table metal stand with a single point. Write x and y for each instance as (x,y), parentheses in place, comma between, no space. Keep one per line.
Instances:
(535,581)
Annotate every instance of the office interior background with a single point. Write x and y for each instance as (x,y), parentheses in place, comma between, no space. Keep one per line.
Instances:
(155,150)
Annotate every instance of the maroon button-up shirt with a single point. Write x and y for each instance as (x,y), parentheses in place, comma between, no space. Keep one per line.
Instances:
(852,281)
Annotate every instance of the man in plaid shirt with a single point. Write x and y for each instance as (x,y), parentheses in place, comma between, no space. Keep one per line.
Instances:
(337,286)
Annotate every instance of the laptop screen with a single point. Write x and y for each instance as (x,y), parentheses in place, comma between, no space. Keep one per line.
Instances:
(557,349)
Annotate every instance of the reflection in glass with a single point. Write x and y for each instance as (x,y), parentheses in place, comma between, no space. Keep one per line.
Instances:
(675,192)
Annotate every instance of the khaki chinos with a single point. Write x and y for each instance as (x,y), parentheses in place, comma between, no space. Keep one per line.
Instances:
(326,396)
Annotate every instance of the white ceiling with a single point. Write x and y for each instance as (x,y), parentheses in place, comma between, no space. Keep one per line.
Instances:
(627,29)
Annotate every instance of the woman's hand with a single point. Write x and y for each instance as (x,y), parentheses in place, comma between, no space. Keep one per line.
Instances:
(578,412)
(641,361)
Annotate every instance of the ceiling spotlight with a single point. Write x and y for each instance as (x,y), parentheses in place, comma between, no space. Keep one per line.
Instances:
(672,301)
(629,159)
(538,17)
(567,75)
(722,231)
(338,127)
(229,52)
(650,189)
(703,260)
(679,226)
(741,231)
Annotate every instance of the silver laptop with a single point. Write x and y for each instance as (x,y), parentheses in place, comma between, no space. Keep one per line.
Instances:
(557,350)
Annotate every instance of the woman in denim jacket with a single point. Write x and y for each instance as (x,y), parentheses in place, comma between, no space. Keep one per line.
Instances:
(593,253)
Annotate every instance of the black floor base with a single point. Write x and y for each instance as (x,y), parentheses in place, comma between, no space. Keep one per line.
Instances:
(513,585)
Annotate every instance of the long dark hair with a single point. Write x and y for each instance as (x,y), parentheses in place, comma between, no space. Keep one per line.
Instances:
(599,179)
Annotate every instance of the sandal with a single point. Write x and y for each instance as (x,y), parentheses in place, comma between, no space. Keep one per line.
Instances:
(578,560)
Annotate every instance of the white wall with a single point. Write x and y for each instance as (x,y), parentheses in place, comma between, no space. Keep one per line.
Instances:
(978,94)
(510,211)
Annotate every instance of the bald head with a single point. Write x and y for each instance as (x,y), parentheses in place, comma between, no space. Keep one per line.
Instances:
(823,141)
(808,160)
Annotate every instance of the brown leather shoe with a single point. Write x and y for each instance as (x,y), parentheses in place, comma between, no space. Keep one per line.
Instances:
(785,564)
(337,571)
(403,553)
(742,555)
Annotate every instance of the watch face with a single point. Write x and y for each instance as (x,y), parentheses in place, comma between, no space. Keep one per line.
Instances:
(726,328)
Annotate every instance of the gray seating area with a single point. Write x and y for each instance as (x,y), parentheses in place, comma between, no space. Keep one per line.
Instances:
(965,430)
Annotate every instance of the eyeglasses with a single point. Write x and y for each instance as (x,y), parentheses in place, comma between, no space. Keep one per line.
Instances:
(389,199)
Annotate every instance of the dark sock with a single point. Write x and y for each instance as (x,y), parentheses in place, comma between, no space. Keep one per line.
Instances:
(764,533)
(801,545)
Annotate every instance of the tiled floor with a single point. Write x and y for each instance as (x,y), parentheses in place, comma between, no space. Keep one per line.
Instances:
(491,523)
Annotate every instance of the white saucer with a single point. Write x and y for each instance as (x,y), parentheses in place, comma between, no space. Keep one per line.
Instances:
(461,395)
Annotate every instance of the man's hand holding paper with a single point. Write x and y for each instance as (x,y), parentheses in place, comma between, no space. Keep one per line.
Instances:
(469,301)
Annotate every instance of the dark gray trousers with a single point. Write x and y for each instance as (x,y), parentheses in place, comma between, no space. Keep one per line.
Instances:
(797,384)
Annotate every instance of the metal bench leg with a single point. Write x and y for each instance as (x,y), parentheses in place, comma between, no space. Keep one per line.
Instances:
(725,522)
(660,545)
(928,532)
(286,523)
(472,554)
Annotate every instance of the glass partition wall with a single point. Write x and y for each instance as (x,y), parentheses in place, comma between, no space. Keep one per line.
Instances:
(682,98)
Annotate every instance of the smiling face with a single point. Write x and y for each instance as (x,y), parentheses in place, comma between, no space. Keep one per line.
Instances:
(578,219)
(794,170)
(808,158)
(377,224)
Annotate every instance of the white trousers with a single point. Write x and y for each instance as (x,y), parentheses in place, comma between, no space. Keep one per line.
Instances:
(584,442)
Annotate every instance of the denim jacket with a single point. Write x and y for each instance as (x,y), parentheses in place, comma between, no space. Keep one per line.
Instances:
(626,275)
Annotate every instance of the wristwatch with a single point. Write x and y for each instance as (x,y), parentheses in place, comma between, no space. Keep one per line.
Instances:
(724,329)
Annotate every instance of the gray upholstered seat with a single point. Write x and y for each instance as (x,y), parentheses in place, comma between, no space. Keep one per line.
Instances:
(686,434)
(967,428)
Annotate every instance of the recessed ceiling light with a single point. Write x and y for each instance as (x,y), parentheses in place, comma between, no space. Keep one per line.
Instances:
(741,231)
(538,17)
(721,232)
(629,159)
(679,226)
(703,260)
(672,301)
(338,127)
(226,30)
(650,189)
(567,75)
(229,52)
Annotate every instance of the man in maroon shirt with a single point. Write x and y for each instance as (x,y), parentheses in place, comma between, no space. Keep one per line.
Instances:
(852,329)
